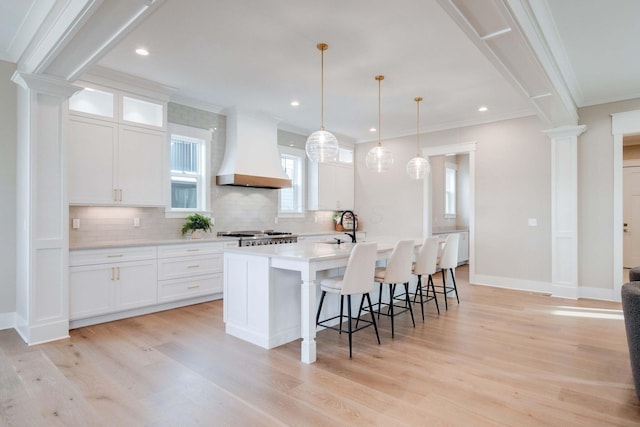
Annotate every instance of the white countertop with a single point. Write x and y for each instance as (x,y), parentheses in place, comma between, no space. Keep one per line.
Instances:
(311,251)
(150,242)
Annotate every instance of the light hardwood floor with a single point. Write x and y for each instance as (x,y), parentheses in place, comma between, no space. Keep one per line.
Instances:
(500,358)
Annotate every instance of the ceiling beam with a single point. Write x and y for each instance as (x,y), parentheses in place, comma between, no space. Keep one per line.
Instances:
(506,32)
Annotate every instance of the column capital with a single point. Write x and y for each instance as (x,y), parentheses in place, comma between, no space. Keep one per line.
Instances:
(45,84)
(565,131)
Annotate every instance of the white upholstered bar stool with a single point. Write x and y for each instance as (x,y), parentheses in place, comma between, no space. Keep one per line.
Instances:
(449,261)
(426,265)
(357,279)
(398,270)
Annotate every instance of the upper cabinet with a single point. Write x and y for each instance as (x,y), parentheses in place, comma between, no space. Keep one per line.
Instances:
(117,145)
(331,185)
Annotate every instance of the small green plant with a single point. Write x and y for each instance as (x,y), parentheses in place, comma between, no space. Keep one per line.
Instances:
(196,222)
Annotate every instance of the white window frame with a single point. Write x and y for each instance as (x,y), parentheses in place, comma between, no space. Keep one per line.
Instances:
(450,196)
(300,156)
(204,206)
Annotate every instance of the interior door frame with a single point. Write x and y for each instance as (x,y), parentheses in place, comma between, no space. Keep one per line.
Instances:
(626,123)
(463,148)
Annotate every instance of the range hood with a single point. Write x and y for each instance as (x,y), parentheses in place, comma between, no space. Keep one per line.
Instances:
(251,156)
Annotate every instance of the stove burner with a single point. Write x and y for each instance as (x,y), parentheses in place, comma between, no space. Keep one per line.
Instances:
(260,237)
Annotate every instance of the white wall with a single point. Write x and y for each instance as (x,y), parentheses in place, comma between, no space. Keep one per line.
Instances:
(595,193)
(8,139)
(513,169)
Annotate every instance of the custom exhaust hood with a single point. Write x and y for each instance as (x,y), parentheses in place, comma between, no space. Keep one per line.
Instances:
(251,156)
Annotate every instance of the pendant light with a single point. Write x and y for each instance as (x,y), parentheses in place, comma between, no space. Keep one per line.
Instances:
(321,145)
(379,158)
(418,167)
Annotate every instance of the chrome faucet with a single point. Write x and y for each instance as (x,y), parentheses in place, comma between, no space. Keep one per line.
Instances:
(353,236)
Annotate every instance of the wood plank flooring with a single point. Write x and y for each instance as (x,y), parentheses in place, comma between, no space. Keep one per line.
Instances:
(500,358)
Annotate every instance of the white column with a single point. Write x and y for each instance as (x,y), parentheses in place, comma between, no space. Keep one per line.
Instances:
(564,210)
(42,291)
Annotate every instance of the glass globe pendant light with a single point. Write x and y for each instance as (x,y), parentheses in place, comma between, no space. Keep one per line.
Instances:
(379,158)
(418,167)
(321,145)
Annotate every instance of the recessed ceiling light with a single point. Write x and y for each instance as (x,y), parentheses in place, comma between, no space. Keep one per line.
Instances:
(89,89)
(372,129)
(294,103)
(482,109)
(292,145)
(142,51)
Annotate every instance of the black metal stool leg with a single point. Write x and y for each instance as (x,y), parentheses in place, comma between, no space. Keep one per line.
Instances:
(320,306)
(433,288)
(349,324)
(373,317)
(444,289)
(406,292)
(392,291)
(455,288)
(341,311)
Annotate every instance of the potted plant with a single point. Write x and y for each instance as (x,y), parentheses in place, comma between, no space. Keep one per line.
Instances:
(196,224)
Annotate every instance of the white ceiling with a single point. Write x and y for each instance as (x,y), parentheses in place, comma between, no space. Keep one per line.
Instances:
(261,55)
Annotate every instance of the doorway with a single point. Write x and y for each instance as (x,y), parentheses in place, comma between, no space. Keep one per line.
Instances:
(623,125)
(454,149)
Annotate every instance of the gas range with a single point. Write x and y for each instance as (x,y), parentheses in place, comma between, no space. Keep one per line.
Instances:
(260,237)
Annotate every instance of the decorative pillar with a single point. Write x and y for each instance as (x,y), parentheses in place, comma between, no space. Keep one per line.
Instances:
(564,210)
(42,291)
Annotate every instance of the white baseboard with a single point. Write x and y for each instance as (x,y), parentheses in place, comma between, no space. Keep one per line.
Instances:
(545,288)
(512,283)
(7,320)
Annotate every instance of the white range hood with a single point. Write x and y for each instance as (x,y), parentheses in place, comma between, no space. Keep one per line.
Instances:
(251,156)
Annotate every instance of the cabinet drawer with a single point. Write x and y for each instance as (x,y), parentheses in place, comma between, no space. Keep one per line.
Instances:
(112,255)
(189,249)
(172,290)
(175,268)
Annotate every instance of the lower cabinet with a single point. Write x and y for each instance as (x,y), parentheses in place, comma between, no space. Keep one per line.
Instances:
(186,271)
(114,281)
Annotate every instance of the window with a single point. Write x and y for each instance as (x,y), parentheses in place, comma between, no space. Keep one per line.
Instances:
(188,169)
(291,199)
(450,190)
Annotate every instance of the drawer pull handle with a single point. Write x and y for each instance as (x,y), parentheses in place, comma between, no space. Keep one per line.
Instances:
(193,250)
(115,256)
(193,266)
(193,287)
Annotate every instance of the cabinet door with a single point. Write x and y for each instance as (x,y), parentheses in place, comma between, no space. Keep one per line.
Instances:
(331,186)
(463,247)
(91,147)
(91,290)
(141,171)
(136,285)
(344,183)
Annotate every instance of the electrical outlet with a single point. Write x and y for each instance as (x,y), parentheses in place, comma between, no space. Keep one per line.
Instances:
(136,222)
(275,220)
(532,222)
(76,223)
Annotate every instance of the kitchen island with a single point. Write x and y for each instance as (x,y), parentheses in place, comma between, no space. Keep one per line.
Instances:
(270,292)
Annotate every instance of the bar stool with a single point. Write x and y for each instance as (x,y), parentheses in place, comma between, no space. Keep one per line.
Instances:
(357,279)
(449,261)
(398,270)
(425,265)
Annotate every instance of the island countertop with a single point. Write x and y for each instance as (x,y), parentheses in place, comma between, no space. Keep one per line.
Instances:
(312,251)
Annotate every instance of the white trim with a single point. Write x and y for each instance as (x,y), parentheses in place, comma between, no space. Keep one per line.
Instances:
(194,103)
(7,320)
(300,154)
(197,133)
(79,323)
(512,283)
(601,294)
(621,124)
(462,148)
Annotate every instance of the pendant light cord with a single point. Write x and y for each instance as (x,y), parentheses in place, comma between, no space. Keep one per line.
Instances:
(379,79)
(417,127)
(322,47)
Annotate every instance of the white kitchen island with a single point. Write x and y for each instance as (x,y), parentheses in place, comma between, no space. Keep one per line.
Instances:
(270,291)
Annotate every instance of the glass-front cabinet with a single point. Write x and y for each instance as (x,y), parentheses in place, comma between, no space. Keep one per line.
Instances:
(116,145)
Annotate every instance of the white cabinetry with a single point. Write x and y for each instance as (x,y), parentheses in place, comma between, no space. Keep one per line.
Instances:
(463,245)
(109,280)
(330,186)
(186,271)
(110,284)
(116,158)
